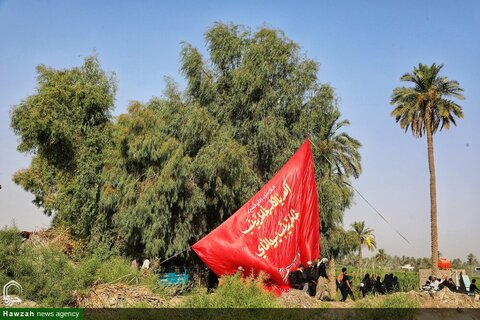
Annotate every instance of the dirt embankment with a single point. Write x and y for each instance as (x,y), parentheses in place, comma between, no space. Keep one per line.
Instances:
(118,296)
(446,299)
(441,299)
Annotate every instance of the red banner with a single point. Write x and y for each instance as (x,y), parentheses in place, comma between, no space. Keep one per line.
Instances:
(275,231)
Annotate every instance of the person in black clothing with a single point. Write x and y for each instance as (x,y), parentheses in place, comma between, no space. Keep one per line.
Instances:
(296,278)
(322,292)
(379,286)
(212,281)
(387,282)
(395,284)
(344,282)
(473,287)
(321,268)
(366,285)
(341,279)
(311,279)
(240,271)
(451,285)
(349,286)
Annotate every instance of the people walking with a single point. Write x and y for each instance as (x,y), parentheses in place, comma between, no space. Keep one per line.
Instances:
(311,279)
(344,284)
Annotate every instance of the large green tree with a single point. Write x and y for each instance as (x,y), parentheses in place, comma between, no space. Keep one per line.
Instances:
(172,174)
(260,87)
(425,108)
(164,174)
(267,94)
(64,125)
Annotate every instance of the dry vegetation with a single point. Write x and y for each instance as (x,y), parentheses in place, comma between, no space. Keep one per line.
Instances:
(56,271)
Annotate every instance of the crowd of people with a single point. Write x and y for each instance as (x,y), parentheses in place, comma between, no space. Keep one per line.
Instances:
(375,285)
(436,284)
(313,280)
(307,278)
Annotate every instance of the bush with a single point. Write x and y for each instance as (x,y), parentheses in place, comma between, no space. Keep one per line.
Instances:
(116,270)
(46,276)
(85,272)
(49,277)
(408,281)
(234,293)
(10,250)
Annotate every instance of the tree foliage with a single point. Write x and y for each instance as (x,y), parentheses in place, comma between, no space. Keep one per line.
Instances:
(161,176)
(266,92)
(65,126)
(338,242)
(172,173)
(428,101)
(260,87)
(337,160)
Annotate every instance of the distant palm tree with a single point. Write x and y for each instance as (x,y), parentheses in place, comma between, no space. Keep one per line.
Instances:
(381,257)
(471,261)
(426,108)
(366,238)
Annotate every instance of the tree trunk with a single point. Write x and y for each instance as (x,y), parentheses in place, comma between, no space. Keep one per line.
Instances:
(360,261)
(332,284)
(433,198)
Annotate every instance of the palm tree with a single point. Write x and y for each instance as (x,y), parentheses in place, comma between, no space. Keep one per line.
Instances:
(339,149)
(471,261)
(366,238)
(381,256)
(426,108)
(337,158)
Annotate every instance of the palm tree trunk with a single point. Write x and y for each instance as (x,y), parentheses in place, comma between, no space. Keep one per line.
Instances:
(433,198)
(360,260)
(332,283)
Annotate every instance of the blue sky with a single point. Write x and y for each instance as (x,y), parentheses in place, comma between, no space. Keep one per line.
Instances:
(363,47)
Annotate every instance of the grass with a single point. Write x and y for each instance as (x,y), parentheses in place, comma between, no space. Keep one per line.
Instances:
(388,301)
(392,306)
(50,278)
(233,293)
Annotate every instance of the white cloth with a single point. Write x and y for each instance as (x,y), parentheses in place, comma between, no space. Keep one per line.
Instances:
(434,284)
(323,260)
(146,264)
